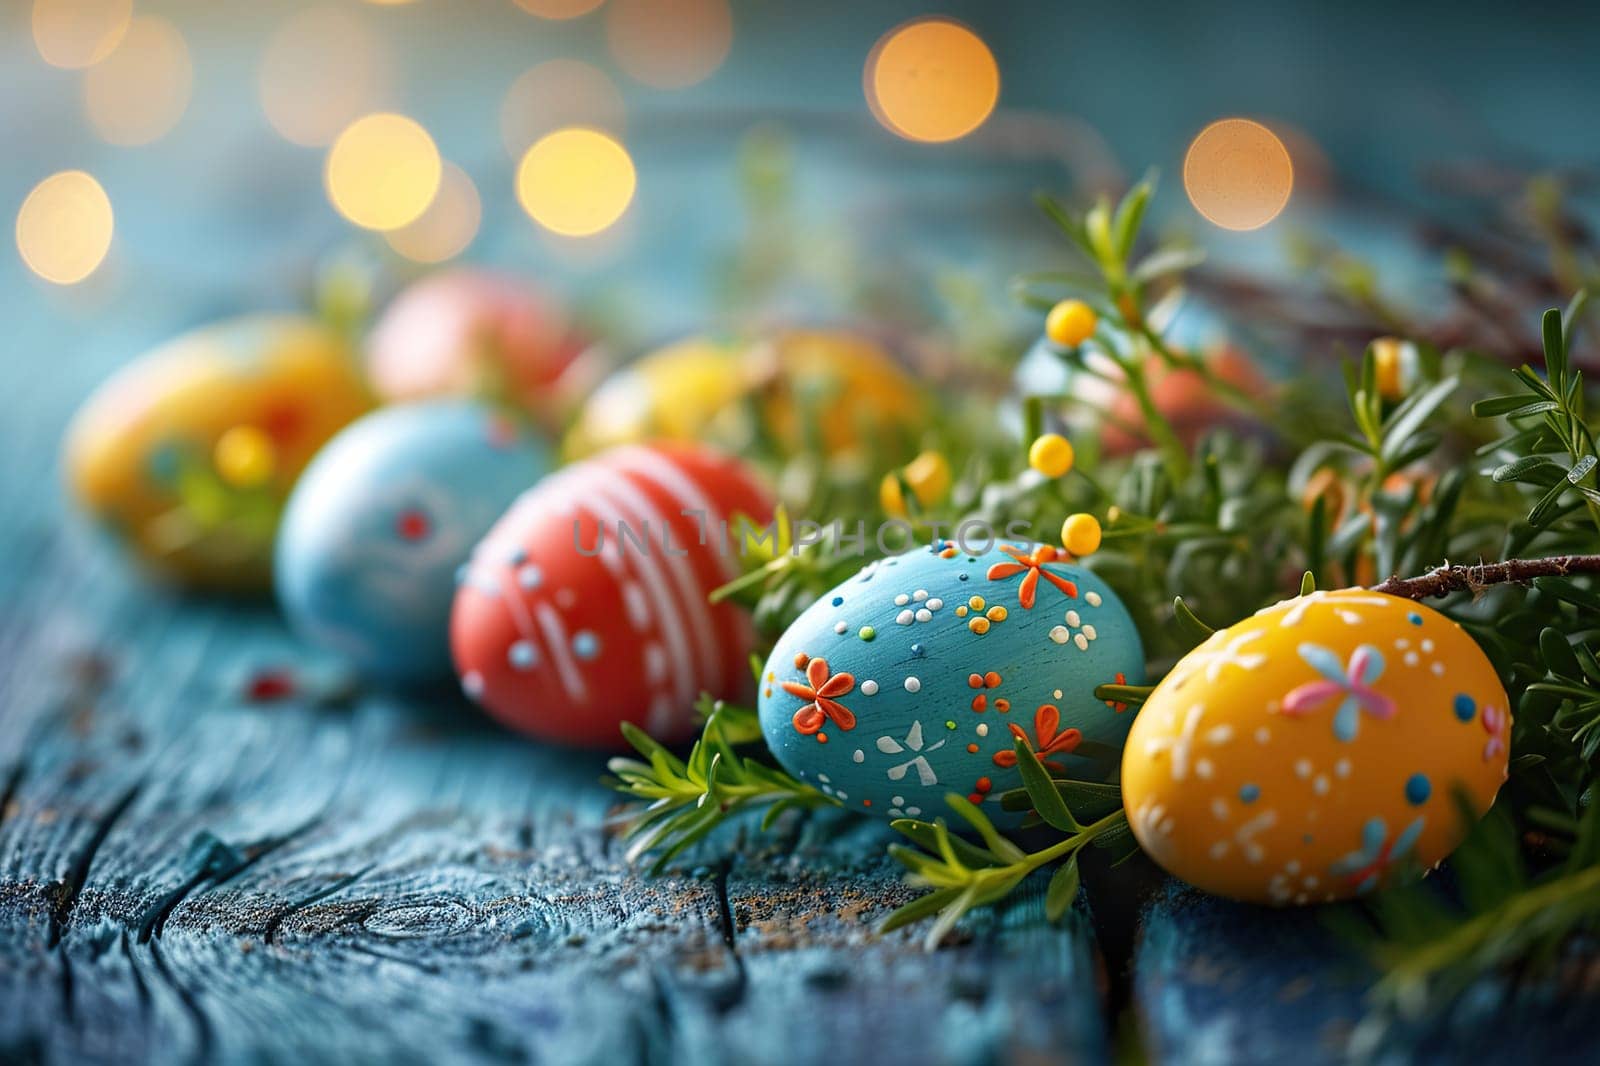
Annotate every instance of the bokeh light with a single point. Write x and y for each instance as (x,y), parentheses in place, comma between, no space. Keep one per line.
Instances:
(64,227)
(669,44)
(449,224)
(1238,174)
(383,171)
(558,9)
(931,80)
(141,90)
(576,182)
(79,33)
(319,71)
(555,94)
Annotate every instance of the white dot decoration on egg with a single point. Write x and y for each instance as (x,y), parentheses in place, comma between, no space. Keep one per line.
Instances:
(617,630)
(928,662)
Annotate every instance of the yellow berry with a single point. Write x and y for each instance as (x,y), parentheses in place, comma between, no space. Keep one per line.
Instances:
(244,456)
(1080,534)
(1051,455)
(929,477)
(1388,354)
(1070,323)
(890,496)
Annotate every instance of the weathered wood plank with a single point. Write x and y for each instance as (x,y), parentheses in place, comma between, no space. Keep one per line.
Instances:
(1221,982)
(188,875)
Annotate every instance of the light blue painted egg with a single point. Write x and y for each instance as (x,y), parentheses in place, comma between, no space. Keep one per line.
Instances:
(381,520)
(910,680)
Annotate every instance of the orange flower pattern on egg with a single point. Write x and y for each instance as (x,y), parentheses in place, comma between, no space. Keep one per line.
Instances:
(1313,751)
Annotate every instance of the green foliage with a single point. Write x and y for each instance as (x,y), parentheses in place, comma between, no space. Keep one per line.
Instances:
(1409,476)
(687,799)
(961,875)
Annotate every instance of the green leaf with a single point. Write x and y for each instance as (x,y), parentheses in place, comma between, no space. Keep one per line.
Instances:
(1498,405)
(1130,213)
(1543,511)
(1574,316)
(1067,222)
(1534,407)
(1063,890)
(1042,790)
(1555,348)
(918,909)
(1558,654)
(1409,417)
(1514,471)
(925,835)
(1308,583)
(949,916)
(1166,261)
(1580,469)
(1002,848)
(1189,623)
(1087,800)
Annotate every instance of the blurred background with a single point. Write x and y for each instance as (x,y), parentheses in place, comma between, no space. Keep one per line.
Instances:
(823,161)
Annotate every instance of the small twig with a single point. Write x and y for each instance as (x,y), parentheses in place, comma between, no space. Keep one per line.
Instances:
(1444,580)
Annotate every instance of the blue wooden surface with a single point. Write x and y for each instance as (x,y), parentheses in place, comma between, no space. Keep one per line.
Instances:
(184,874)
(188,876)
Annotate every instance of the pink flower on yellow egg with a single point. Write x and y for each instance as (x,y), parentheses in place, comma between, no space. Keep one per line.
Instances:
(822,690)
(1032,566)
(1495,722)
(1350,686)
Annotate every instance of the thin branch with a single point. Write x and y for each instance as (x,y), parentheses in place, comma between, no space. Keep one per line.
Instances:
(1447,579)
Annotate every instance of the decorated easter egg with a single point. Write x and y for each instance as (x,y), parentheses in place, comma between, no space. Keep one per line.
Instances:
(188,453)
(466,332)
(1311,751)
(586,605)
(381,521)
(913,679)
(825,389)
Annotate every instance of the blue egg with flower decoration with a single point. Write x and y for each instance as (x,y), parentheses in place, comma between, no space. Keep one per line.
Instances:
(382,519)
(914,678)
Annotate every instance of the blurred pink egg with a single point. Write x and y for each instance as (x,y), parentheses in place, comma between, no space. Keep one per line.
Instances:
(476,333)
(1186,399)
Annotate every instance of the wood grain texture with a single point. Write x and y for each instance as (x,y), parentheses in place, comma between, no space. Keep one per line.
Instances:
(189,876)
(1222,982)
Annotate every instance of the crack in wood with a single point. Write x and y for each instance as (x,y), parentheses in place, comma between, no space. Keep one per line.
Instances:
(8,793)
(204,1036)
(270,933)
(219,863)
(78,874)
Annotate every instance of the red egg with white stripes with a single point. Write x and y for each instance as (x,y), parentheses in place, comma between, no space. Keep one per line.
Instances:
(586,605)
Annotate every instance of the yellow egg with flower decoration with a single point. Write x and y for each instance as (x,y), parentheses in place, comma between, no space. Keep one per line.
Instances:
(1316,750)
(791,391)
(188,453)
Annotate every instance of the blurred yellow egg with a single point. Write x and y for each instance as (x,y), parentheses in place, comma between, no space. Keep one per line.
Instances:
(929,477)
(828,390)
(188,452)
(1315,750)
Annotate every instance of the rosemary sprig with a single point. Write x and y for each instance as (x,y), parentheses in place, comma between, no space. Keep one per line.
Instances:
(962,875)
(1551,447)
(686,799)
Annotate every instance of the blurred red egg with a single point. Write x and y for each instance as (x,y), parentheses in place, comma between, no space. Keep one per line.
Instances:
(1187,400)
(586,605)
(475,333)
